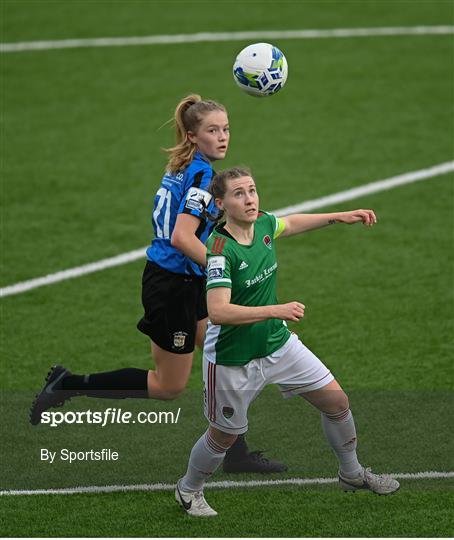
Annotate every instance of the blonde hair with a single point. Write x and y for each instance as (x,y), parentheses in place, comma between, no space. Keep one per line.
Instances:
(188,116)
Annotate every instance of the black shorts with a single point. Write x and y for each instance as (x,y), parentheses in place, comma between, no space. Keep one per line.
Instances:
(173,304)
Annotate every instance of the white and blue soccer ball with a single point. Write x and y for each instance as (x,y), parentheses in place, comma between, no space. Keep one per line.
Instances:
(260,69)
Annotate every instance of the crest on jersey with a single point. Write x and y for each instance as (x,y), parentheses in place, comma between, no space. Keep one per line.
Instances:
(267,241)
(227,412)
(179,339)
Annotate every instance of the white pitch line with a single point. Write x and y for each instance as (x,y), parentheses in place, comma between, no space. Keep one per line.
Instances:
(71,273)
(341,196)
(224,484)
(368,189)
(224,36)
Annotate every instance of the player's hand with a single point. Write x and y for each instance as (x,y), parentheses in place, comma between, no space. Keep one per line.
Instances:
(367,217)
(293,311)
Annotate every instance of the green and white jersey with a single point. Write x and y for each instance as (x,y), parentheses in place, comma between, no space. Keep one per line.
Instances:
(250,271)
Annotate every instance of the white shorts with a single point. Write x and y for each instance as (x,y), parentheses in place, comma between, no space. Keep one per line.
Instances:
(229,390)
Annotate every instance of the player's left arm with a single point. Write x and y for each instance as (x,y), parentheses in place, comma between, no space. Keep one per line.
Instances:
(190,213)
(184,238)
(299,223)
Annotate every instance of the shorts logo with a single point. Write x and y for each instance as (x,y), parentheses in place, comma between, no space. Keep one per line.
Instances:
(179,339)
(267,241)
(227,412)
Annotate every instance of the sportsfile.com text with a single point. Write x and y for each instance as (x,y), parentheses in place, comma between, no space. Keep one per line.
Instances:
(109,416)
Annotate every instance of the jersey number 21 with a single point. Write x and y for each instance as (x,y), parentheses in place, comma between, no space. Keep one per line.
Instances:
(162,229)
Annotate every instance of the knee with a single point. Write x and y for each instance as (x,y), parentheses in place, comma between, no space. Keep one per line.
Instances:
(165,389)
(340,402)
(337,403)
(226,440)
(171,392)
(229,440)
(343,402)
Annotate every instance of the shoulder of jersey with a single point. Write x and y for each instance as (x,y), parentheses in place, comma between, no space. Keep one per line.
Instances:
(266,222)
(262,215)
(198,165)
(217,243)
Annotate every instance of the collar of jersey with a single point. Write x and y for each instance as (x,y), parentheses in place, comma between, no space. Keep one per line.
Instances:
(199,155)
(221,230)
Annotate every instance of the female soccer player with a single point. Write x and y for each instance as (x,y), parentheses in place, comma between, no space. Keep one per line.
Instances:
(173,284)
(248,344)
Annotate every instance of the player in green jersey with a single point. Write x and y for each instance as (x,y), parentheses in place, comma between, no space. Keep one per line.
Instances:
(248,344)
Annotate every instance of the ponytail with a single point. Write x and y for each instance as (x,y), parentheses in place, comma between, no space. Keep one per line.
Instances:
(188,116)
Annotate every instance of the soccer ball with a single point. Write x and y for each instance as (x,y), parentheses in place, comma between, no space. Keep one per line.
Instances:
(260,69)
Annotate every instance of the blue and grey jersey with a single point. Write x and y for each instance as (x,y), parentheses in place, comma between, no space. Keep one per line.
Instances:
(185,192)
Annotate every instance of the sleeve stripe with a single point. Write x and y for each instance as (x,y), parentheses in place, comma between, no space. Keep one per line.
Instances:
(220,280)
(197,179)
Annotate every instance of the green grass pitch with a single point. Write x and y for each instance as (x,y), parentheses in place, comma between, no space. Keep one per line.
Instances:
(82,129)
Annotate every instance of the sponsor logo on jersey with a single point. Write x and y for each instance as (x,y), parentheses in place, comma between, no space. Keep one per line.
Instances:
(170,178)
(215,273)
(216,262)
(267,241)
(227,412)
(179,339)
(216,267)
(197,199)
(243,265)
(263,276)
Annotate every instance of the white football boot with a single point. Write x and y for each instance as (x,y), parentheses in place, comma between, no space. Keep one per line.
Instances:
(381,484)
(193,502)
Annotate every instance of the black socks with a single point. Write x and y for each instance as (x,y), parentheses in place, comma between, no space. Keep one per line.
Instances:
(119,384)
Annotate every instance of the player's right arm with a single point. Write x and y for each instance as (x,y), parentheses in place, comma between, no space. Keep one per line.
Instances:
(221,311)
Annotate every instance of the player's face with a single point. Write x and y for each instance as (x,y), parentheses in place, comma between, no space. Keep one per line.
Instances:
(212,137)
(241,201)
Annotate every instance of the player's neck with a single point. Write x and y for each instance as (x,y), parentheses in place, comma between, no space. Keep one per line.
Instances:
(207,158)
(242,232)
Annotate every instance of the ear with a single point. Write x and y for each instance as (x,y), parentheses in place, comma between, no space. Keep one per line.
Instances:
(192,137)
(219,204)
